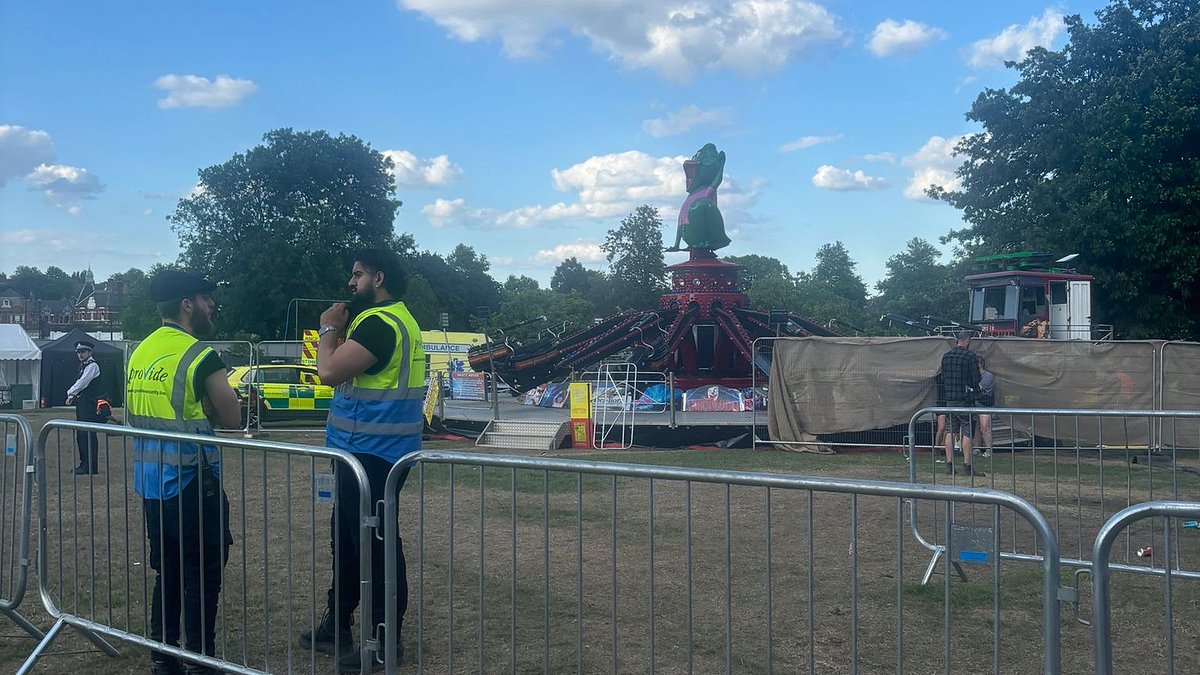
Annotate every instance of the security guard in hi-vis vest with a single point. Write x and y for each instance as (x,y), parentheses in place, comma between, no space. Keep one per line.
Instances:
(176,384)
(379,372)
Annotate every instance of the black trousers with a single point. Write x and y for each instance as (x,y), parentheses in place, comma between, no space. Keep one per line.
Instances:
(344,542)
(86,442)
(189,545)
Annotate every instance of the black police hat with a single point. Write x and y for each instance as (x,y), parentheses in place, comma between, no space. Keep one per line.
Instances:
(85,344)
(178,284)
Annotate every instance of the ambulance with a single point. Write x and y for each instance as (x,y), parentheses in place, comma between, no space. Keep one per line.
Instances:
(446,351)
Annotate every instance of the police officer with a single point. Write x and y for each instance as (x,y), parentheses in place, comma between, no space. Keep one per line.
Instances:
(84,394)
(376,415)
(176,384)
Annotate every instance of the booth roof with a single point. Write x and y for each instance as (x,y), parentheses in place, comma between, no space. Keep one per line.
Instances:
(15,344)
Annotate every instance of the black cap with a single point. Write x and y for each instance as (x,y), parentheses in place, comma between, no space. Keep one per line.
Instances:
(178,284)
(85,344)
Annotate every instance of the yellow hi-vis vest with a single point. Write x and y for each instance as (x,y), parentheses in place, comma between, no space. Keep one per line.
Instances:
(160,394)
(380,414)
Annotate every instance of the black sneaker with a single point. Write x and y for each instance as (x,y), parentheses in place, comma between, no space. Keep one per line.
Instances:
(949,469)
(324,639)
(82,471)
(164,664)
(970,470)
(351,662)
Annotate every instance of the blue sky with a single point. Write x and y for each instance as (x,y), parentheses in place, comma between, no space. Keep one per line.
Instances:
(526,128)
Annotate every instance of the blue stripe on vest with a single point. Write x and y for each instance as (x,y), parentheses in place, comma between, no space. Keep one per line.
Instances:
(165,480)
(389,447)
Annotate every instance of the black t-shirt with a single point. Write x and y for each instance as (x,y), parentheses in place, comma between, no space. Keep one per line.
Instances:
(209,365)
(377,337)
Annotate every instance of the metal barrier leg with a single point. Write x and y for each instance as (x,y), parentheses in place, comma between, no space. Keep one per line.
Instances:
(100,642)
(932,568)
(41,647)
(23,623)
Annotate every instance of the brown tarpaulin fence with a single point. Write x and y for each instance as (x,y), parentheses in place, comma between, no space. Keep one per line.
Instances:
(841,385)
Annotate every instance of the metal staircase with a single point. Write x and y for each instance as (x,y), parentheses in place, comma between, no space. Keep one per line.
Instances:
(524,435)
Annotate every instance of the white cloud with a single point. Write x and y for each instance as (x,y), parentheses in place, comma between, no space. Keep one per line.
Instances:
(672,38)
(584,251)
(412,171)
(896,38)
(443,212)
(965,82)
(687,119)
(832,178)
(22,150)
(807,142)
(885,157)
(606,186)
(933,164)
(64,184)
(1015,41)
(76,247)
(193,91)
(147,212)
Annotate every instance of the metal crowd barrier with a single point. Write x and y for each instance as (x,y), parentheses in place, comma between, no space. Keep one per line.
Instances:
(16,496)
(1178,364)
(94,562)
(1078,467)
(529,563)
(234,354)
(621,386)
(1102,597)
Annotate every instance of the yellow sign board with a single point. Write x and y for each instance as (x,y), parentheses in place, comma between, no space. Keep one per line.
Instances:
(446,351)
(431,401)
(308,350)
(581,400)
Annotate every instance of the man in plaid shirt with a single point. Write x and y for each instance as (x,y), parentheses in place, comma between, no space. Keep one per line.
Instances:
(960,381)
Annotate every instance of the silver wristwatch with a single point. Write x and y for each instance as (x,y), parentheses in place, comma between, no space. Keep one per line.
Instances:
(324,330)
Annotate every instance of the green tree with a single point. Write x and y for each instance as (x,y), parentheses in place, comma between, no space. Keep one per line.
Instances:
(28,281)
(775,293)
(521,284)
(835,272)
(460,283)
(635,258)
(283,219)
(556,307)
(57,285)
(422,302)
(1096,151)
(917,285)
(593,285)
(757,267)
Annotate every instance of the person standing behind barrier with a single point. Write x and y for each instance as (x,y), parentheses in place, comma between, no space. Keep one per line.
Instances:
(84,394)
(939,435)
(377,416)
(985,398)
(960,379)
(174,383)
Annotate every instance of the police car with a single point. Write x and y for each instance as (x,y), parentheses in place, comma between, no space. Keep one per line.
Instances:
(281,392)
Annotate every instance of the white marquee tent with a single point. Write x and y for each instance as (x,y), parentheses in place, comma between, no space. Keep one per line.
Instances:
(20,364)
